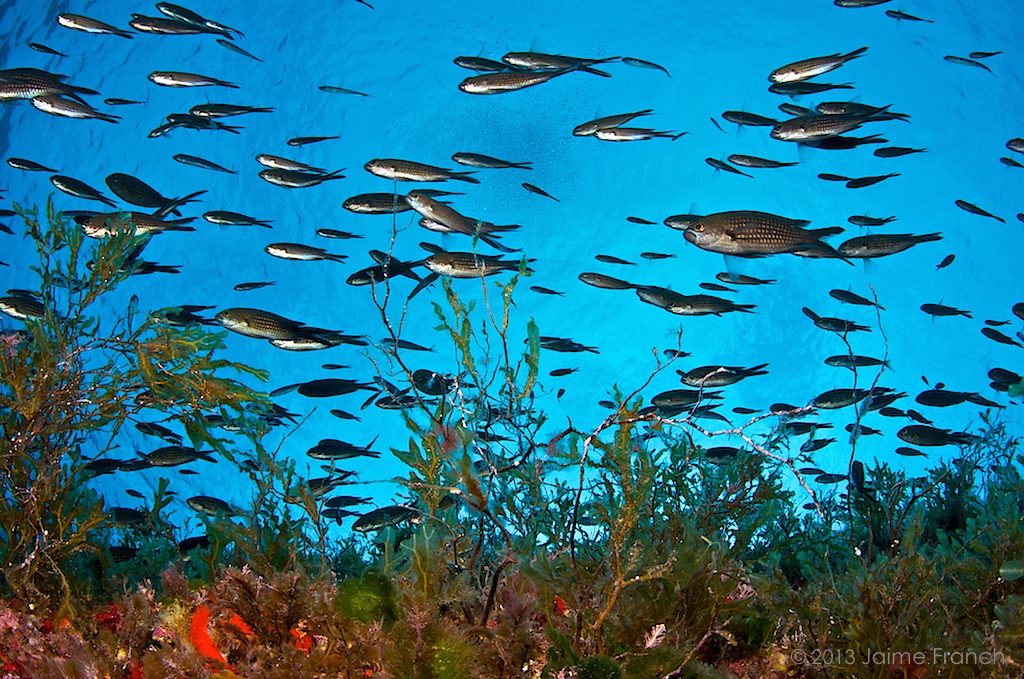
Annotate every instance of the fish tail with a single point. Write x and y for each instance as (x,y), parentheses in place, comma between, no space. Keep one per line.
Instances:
(827,231)
(928,237)
(527,165)
(174,268)
(106,117)
(225,83)
(596,71)
(80,90)
(263,109)
(465,177)
(178,227)
(855,53)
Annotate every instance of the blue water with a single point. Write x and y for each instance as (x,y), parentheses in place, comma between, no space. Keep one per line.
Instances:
(401,54)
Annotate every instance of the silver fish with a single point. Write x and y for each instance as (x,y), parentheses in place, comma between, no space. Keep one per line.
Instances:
(183,79)
(89,25)
(809,68)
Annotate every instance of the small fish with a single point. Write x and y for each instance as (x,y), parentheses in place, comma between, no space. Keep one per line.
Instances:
(858,3)
(225,218)
(953,59)
(300,252)
(89,25)
(814,445)
(943,310)
(717,126)
(865,220)
(565,345)
(719,165)
(592,127)
(715,287)
(539,191)
(562,372)
(689,305)
(508,81)
(1018,308)
(404,344)
(599,280)
(749,119)
(28,165)
(851,361)
(226,110)
(795,89)
(709,376)
(1010,162)
(946,261)
(279,163)
(832,324)
(655,255)
(196,161)
(881,245)
(228,45)
(924,435)
(974,209)
(480,64)
(896,151)
(983,55)
(69,108)
(1016,144)
(839,143)
(848,297)
(910,452)
(384,517)
(996,324)
(795,111)
(546,291)
(410,171)
(480,160)
(829,177)
(334,89)
(344,415)
(183,79)
(79,189)
(903,16)
(45,50)
(640,63)
(334,233)
(815,66)
(292,179)
(997,336)
(611,259)
(740,279)
(244,287)
(639,220)
(303,141)
(113,101)
(861,182)
(756,162)
(621,134)
(211,506)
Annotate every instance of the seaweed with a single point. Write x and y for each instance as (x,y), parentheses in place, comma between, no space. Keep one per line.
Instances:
(524,546)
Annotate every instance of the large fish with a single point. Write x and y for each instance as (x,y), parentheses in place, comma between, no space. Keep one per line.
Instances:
(749,233)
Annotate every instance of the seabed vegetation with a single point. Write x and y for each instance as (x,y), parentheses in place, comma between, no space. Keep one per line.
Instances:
(518,545)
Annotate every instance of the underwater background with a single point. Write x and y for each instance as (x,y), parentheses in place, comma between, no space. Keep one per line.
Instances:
(718,56)
(658,551)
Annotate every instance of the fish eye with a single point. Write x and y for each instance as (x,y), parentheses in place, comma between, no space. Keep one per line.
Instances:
(698,227)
